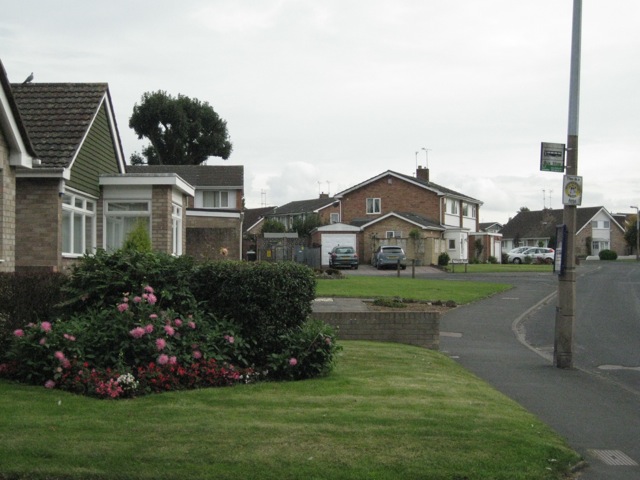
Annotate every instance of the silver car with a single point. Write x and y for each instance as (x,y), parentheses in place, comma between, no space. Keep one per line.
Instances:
(538,254)
(388,256)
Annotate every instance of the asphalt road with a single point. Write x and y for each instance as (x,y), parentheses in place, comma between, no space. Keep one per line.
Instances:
(507,340)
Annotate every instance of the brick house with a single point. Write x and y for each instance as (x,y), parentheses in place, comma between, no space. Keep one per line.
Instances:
(214,213)
(16,153)
(425,218)
(71,195)
(596,229)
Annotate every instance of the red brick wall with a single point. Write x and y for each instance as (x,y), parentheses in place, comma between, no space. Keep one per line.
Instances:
(397,196)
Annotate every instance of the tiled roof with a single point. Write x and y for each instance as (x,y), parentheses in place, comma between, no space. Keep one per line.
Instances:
(57,116)
(429,185)
(6,86)
(231,176)
(252,215)
(304,206)
(543,223)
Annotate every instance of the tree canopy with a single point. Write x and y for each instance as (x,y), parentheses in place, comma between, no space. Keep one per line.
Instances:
(182,130)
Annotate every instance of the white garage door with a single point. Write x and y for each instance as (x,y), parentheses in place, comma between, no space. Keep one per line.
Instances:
(330,240)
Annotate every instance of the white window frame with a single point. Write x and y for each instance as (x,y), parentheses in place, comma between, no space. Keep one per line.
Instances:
(218,198)
(454,207)
(122,219)
(334,218)
(176,229)
(393,234)
(80,211)
(374,206)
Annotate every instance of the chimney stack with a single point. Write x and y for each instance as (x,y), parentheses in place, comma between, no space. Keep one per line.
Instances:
(422,173)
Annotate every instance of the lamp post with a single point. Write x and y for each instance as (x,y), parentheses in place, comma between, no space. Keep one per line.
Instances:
(637,233)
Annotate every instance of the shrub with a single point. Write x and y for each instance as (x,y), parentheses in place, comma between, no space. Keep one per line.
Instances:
(263,299)
(102,279)
(138,239)
(309,351)
(443,259)
(607,255)
(17,305)
(493,260)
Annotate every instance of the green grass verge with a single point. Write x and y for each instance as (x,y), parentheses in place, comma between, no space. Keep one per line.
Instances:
(409,288)
(388,411)
(500,268)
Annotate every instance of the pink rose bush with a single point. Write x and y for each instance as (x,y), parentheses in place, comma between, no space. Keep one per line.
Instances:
(145,350)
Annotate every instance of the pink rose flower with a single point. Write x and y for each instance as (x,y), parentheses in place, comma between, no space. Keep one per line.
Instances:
(173,361)
(19,332)
(177,322)
(163,359)
(152,299)
(49,384)
(148,328)
(293,362)
(229,338)
(123,307)
(137,299)
(43,341)
(59,355)
(45,326)
(148,289)
(137,332)
(153,316)
(192,325)
(160,344)
(197,354)
(71,338)
(169,330)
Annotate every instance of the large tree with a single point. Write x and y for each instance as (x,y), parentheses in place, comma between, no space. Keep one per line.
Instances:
(182,130)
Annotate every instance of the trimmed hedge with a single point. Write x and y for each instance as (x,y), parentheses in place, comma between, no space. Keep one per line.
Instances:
(607,255)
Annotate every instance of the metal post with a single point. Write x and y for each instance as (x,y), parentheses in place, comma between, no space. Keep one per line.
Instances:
(566,308)
(637,233)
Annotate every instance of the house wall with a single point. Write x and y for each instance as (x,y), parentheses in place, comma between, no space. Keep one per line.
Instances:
(96,156)
(161,225)
(7,210)
(207,235)
(397,195)
(38,224)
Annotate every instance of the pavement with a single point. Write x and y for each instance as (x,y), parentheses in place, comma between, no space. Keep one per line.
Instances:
(600,419)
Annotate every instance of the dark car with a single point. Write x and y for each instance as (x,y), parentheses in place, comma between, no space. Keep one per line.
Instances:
(388,256)
(343,256)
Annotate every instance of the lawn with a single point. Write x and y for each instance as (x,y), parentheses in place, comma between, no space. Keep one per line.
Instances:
(499,268)
(388,411)
(408,288)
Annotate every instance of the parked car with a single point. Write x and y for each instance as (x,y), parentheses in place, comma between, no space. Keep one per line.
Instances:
(388,256)
(513,251)
(343,256)
(538,254)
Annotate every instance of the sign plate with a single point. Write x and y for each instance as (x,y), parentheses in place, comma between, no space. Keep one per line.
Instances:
(552,157)
(572,190)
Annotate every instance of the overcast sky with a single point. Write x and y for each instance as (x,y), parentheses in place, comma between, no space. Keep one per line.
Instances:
(321,95)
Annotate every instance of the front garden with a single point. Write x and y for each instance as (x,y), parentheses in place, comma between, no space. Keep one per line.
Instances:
(132,323)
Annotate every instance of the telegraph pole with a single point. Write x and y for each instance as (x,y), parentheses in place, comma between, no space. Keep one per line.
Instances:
(566,307)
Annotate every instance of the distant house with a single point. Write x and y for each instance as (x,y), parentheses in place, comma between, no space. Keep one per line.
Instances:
(426,219)
(64,188)
(214,213)
(491,227)
(596,230)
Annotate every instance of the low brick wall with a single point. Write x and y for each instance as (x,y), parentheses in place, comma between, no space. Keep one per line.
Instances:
(413,328)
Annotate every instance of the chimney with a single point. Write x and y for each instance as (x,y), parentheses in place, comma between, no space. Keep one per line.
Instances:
(422,173)
(324,195)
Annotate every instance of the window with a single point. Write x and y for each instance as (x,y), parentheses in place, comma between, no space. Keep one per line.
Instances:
(373,205)
(393,234)
(121,217)
(215,199)
(465,209)
(334,218)
(176,228)
(452,244)
(453,207)
(78,225)
(606,224)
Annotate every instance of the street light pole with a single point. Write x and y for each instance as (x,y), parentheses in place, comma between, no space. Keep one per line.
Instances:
(637,233)
(566,307)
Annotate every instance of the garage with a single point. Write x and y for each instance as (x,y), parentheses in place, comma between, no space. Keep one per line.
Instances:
(336,234)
